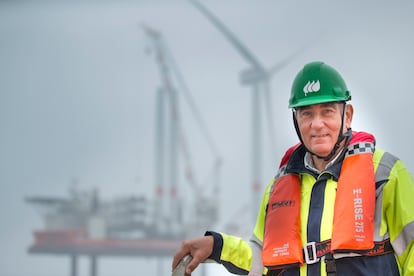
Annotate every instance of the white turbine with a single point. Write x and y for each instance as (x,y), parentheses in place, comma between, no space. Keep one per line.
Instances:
(259,78)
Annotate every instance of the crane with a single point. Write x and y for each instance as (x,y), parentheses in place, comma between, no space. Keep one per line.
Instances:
(172,83)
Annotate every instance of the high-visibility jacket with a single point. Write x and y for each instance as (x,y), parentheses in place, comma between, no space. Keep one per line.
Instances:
(394,220)
(353,214)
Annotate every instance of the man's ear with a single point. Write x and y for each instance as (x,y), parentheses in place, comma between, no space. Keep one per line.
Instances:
(349,113)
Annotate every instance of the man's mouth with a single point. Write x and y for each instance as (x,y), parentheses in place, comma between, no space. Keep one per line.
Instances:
(320,136)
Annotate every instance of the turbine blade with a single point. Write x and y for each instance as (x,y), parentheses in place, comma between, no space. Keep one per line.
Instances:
(284,62)
(280,65)
(241,48)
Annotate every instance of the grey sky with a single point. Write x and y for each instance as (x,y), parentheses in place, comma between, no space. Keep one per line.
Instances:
(77,95)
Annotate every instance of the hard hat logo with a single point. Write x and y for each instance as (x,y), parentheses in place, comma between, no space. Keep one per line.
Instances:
(311,86)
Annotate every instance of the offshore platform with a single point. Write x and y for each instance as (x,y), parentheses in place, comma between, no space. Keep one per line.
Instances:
(84,225)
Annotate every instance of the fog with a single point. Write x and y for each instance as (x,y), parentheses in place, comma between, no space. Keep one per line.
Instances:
(78,81)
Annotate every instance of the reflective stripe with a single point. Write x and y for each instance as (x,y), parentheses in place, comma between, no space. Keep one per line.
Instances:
(386,163)
(404,238)
(382,173)
(256,240)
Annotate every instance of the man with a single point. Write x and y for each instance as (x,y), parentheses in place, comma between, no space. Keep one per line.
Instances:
(338,206)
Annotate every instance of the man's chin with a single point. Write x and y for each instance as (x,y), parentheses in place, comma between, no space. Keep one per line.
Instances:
(321,152)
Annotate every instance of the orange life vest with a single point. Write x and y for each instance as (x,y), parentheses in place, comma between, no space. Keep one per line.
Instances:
(353,222)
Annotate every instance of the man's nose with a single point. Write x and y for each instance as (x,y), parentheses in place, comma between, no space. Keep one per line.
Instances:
(317,121)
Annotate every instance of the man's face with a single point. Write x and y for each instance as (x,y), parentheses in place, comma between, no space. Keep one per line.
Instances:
(320,125)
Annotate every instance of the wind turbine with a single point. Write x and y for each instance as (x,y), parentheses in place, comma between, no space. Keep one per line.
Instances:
(259,78)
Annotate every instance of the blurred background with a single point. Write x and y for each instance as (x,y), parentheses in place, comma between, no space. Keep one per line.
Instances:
(157,119)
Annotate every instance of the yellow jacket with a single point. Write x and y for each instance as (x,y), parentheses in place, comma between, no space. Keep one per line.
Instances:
(394,219)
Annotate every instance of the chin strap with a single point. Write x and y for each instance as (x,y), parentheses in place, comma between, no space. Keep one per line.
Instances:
(347,136)
(341,136)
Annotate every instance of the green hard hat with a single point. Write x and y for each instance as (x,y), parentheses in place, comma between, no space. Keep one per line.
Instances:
(317,83)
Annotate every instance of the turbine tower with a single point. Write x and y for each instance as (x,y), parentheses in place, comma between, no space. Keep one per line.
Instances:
(259,78)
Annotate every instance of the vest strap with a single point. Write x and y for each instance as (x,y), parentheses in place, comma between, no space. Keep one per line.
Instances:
(314,251)
(330,265)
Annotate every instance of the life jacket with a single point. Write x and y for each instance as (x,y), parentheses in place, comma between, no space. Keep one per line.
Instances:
(353,222)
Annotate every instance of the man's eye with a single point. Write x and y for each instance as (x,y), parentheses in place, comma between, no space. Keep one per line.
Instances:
(306,114)
(328,111)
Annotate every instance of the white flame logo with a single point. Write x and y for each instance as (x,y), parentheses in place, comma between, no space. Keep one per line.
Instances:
(311,86)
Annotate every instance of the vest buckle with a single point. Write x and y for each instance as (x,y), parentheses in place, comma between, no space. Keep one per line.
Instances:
(309,251)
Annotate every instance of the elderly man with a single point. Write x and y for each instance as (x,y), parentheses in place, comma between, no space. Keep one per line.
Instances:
(337,206)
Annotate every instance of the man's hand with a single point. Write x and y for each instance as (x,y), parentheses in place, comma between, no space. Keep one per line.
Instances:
(199,248)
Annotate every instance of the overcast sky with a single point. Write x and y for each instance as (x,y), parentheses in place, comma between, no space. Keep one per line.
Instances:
(78,82)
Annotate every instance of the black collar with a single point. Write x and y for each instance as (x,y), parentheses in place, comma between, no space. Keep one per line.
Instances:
(296,165)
